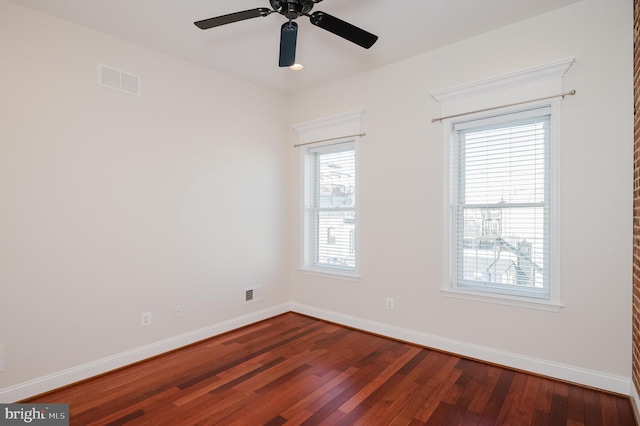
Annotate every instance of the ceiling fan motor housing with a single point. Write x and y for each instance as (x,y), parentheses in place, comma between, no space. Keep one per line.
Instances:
(293,9)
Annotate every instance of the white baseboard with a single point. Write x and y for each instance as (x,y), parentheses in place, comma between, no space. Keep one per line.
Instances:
(595,379)
(635,403)
(63,378)
(569,373)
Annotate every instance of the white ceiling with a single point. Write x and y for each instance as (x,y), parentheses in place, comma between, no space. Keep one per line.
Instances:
(249,49)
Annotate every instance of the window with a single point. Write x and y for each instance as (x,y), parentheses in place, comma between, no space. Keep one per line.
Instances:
(330,185)
(500,204)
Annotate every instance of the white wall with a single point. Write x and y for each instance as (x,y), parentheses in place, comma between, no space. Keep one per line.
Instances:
(112,205)
(401,186)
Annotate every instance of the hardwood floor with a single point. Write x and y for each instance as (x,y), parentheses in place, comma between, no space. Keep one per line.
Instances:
(298,370)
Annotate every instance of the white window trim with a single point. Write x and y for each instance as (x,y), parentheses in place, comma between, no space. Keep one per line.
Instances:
(332,130)
(520,86)
(338,275)
(551,304)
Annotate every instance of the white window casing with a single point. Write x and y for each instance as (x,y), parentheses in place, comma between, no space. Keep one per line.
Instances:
(328,150)
(502,201)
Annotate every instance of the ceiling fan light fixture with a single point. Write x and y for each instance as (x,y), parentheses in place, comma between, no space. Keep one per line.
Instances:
(296,67)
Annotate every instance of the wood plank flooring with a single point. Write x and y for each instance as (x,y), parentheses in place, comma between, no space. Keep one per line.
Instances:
(297,370)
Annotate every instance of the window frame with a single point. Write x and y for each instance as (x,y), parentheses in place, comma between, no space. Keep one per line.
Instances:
(310,206)
(451,288)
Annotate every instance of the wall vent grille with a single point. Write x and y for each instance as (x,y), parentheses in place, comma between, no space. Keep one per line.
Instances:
(118,80)
(252,294)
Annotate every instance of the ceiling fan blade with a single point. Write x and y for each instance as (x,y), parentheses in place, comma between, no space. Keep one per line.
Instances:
(343,29)
(205,24)
(288,39)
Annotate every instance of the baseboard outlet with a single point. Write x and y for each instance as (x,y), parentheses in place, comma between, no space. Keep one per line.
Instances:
(585,377)
(66,377)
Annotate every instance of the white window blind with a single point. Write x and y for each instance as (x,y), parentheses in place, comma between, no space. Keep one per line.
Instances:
(501,208)
(330,201)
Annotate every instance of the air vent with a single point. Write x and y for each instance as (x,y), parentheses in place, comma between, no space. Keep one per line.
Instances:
(118,80)
(252,294)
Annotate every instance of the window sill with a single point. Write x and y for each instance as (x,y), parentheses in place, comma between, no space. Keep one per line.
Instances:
(543,305)
(330,273)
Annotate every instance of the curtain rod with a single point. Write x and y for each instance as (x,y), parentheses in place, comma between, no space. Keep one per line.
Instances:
(571,93)
(330,139)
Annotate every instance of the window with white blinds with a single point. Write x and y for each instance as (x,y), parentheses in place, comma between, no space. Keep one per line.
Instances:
(501,204)
(330,201)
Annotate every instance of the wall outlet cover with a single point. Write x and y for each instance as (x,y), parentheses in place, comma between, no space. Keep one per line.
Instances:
(145,319)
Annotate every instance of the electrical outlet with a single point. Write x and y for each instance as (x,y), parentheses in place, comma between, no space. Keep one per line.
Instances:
(1,356)
(145,319)
(178,311)
(389,303)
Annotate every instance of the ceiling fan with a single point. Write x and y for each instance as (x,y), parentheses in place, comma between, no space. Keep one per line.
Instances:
(293,9)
